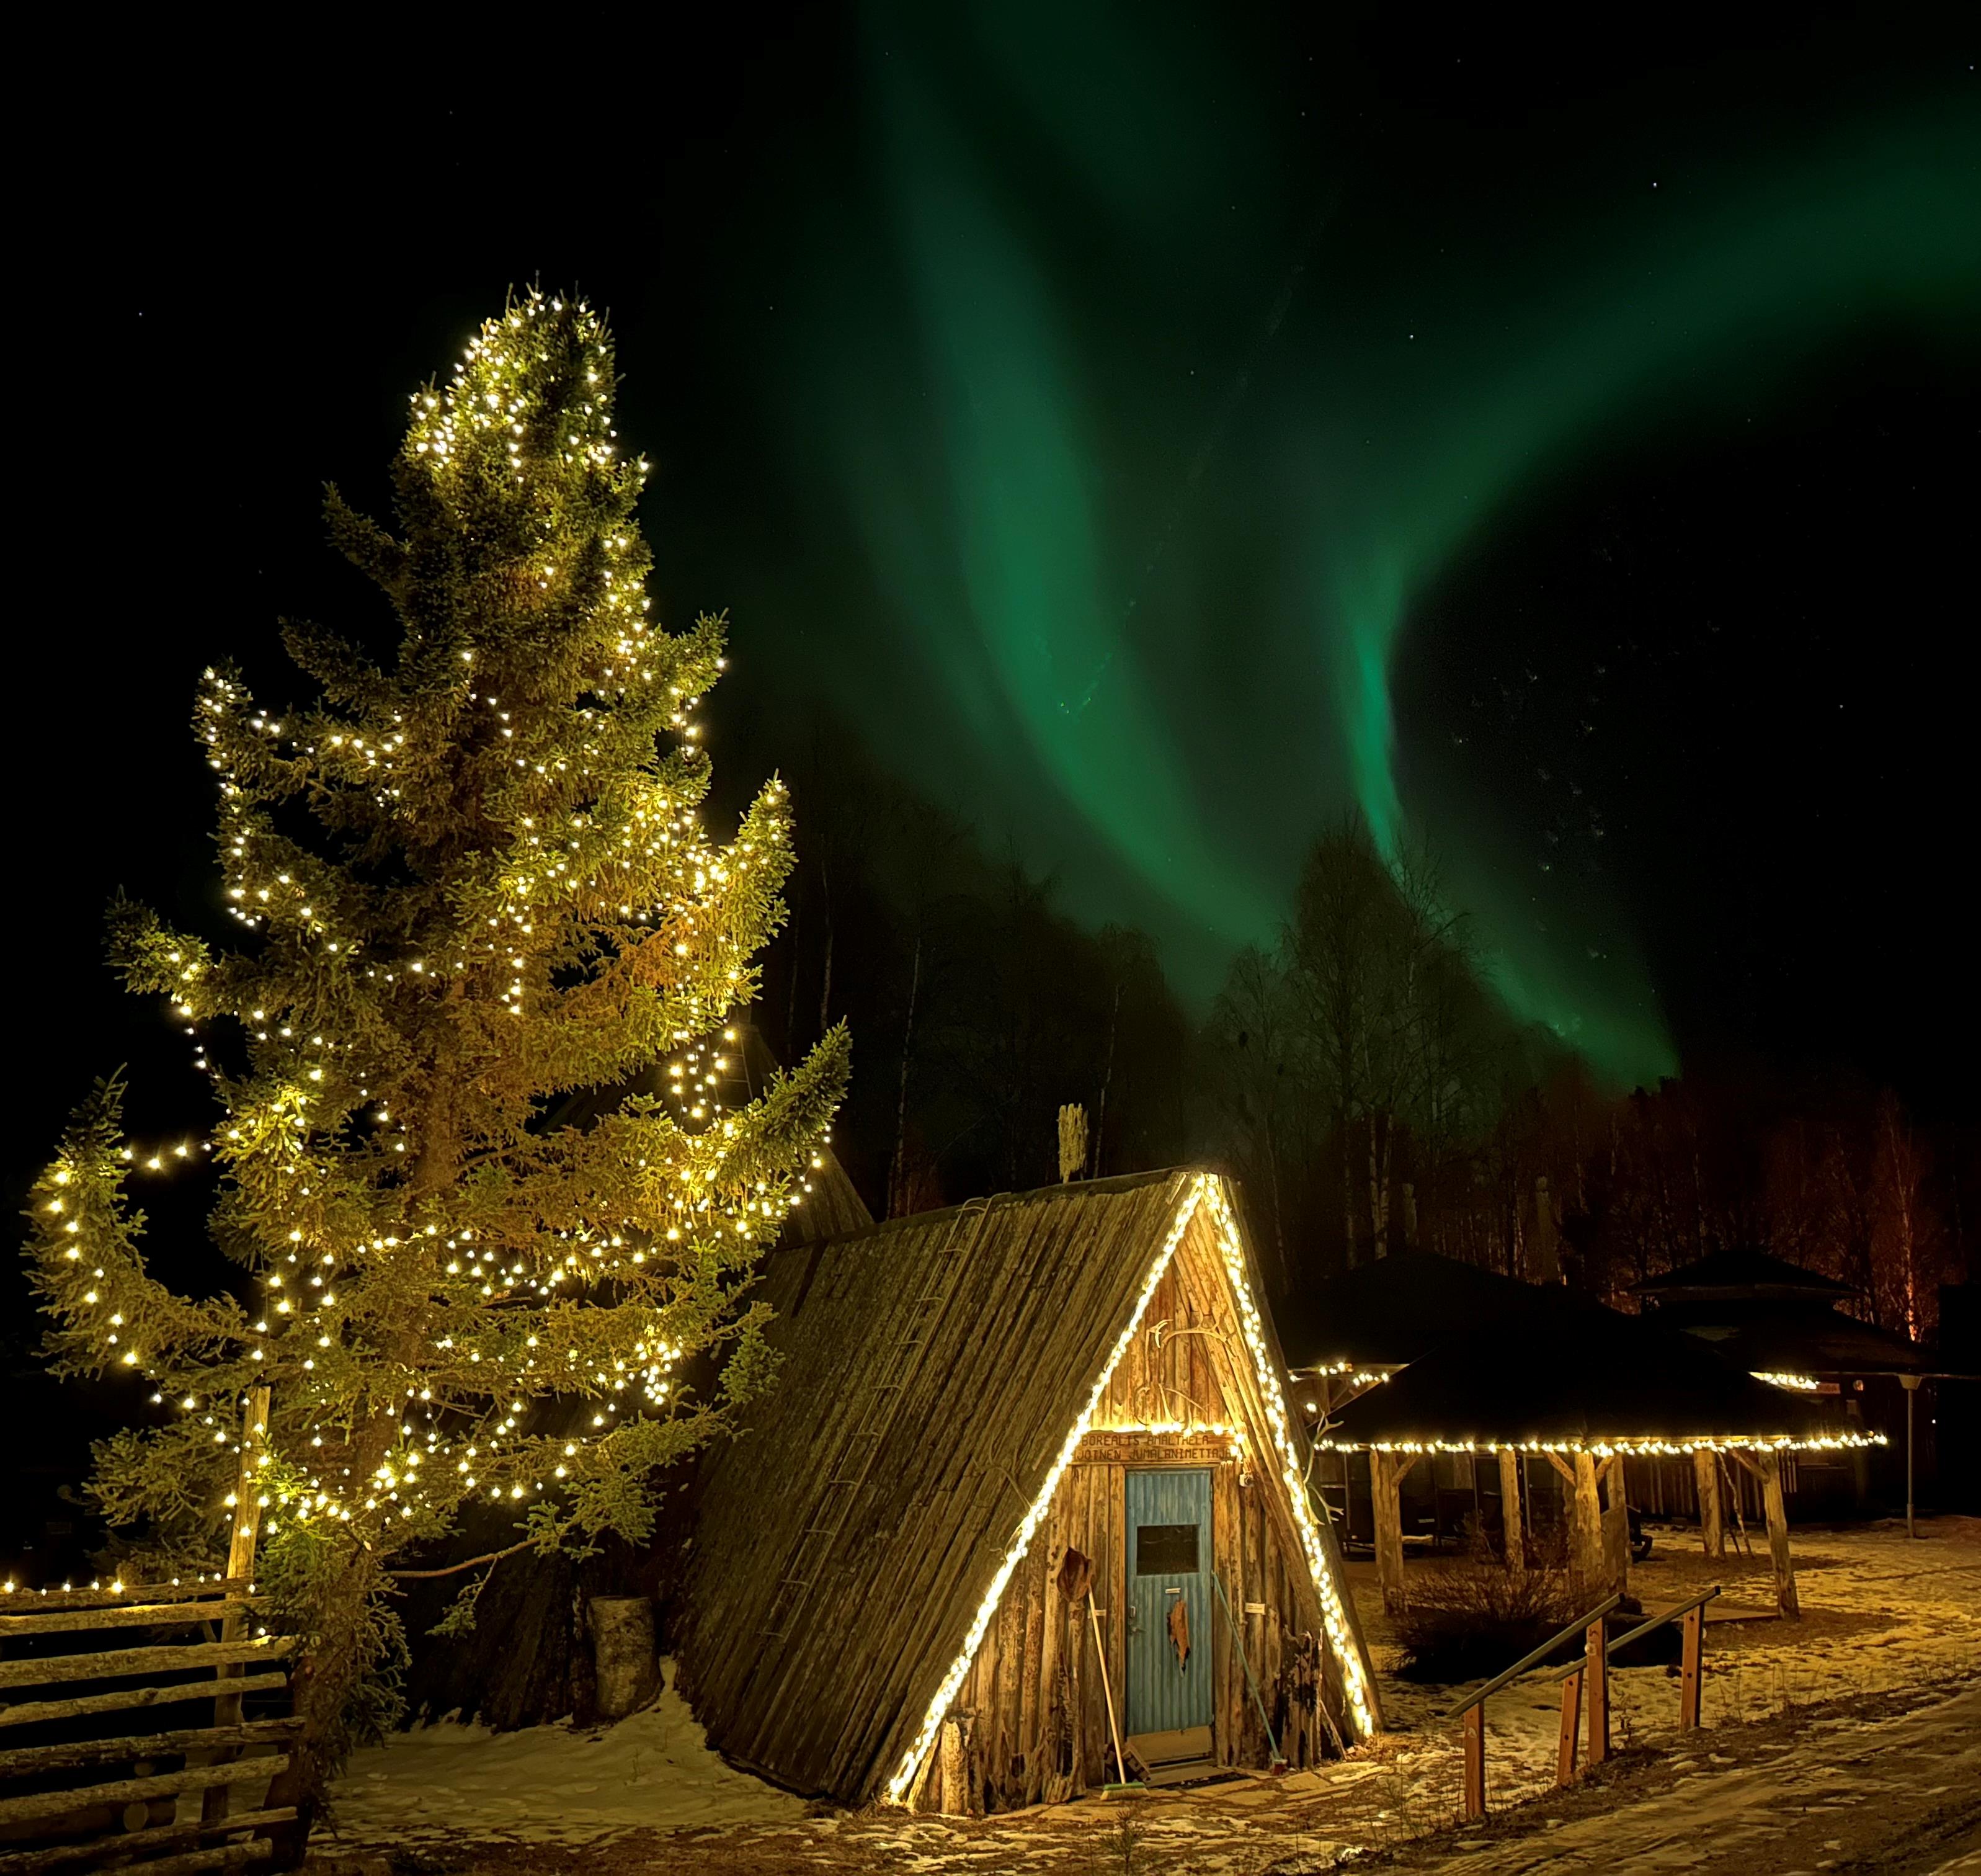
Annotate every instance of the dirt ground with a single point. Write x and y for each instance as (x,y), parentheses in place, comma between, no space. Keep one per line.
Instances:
(1810,1729)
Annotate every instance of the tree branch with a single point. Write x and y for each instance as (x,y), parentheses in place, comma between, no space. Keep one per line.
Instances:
(473,1563)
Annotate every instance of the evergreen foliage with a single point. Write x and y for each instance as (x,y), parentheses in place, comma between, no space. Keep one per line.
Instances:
(477,903)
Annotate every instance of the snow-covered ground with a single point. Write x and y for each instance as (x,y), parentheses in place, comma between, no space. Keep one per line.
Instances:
(1884,1617)
(1881,1614)
(550,1785)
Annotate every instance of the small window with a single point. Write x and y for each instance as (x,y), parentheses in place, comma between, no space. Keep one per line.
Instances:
(1165,1549)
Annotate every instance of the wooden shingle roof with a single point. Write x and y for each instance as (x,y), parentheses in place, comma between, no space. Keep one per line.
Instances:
(935,1368)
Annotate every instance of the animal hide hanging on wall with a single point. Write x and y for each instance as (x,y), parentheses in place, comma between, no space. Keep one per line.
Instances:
(1180,1634)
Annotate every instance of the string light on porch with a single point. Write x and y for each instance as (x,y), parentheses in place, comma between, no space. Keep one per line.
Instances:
(1796,1383)
(1651,1444)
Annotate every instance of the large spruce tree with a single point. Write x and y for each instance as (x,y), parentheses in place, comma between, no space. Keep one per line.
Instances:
(474,883)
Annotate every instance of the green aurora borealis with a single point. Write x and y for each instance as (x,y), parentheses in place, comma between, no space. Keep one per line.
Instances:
(1174,568)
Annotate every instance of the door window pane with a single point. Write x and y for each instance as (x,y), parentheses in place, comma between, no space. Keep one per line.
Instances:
(1166,1550)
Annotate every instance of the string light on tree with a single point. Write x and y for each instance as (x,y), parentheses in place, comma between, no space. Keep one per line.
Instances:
(477,905)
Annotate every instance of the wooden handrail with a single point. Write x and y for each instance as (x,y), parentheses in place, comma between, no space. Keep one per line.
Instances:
(1540,1653)
(1643,1628)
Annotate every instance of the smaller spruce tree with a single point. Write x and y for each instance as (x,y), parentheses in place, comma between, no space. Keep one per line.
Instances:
(477,903)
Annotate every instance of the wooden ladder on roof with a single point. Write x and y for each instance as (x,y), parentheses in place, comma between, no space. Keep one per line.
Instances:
(854,1461)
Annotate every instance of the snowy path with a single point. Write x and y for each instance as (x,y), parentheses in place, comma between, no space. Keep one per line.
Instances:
(1902,1794)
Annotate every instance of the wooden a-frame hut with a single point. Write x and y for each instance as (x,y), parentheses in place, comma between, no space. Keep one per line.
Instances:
(876,1602)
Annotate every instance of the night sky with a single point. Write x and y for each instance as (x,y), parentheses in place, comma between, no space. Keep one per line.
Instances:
(1153,433)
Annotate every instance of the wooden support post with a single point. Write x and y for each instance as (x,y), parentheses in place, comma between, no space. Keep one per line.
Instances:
(1475,1762)
(1616,1526)
(1571,1724)
(1596,1671)
(1769,1467)
(1705,1477)
(1386,1483)
(1692,1665)
(1585,1529)
(1910,1383)
(240,1568)
(1512,1524)
(959,1787)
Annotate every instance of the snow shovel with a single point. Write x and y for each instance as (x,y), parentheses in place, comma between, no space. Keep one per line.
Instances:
(1076,1580)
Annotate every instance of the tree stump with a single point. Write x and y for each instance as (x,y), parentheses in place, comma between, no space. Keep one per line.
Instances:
(623,1653)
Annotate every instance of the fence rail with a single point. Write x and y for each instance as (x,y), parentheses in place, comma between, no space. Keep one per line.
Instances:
(82,1791)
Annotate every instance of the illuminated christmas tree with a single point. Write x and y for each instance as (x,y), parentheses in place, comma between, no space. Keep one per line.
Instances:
(477,901)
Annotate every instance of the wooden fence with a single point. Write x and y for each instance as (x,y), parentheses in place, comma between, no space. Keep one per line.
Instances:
(109,1759)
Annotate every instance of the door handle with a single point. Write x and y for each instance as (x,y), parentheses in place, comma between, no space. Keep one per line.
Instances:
(1134,1618)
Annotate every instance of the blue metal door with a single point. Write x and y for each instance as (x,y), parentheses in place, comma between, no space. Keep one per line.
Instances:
(1169,1566)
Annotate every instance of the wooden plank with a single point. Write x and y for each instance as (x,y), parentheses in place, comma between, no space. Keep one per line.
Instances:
(39,1599)
(215,1856)
(1041,1752)
(1692,1667)
(1224,1557)
(1475,1762)
(1596,1676)
(1114,1629)
(1586,1531)
(240,1562)
(131,1790)
(1571,1723)
(34,1712)
(1616,1527)
(1386,1491)
(1273,1622)
(27,1862)
(112,1663)
(1094,1720)
(1776,1504)
(1029,1584)
(136,1615)
(1512,1523)
(23,1760)
(1706,1482)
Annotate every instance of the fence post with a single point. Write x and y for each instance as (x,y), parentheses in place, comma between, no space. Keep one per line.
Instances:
(1596,1669)
(1475,1762)
(1571,1721)
(1692,1668)
(240,1566)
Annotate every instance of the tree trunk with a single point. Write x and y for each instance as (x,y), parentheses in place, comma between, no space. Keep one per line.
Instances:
(897,1173)
(1106,1081)
(825,972)
(1378,1190)
(1347,1186)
